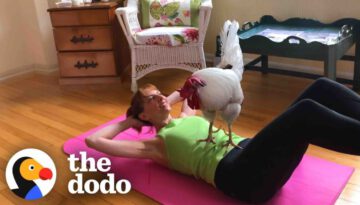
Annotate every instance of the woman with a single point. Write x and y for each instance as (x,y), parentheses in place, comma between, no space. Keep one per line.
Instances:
(326,114)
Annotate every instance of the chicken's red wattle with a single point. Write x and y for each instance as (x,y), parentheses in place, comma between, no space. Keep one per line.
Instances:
(190,91)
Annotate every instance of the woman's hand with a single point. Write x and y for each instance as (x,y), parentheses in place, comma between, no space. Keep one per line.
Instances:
(185,109)
(135,123)
(174,98)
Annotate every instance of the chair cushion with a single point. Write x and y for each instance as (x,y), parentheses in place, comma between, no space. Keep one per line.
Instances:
(156,13)
(170,36)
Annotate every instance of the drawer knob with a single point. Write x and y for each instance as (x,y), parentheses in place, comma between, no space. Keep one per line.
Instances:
(82,39)
(86,64)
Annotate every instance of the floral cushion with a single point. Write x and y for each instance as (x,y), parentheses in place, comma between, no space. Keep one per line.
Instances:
(157,13)
(170,36)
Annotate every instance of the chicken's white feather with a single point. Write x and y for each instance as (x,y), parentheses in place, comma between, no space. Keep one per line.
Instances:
(223,35)
(230,47)
(224,83)
(221,89)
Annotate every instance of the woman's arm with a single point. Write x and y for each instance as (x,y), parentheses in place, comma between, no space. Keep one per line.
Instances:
(102,141)
(185,109)
(174,98)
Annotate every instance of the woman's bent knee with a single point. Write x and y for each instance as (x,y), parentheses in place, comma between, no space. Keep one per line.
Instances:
(306,104)
(321,83)
(323,80)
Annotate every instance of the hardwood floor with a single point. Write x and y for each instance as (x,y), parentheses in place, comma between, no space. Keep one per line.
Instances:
(36,112)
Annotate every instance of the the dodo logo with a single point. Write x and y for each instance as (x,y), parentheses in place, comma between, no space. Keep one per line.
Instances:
(30,174)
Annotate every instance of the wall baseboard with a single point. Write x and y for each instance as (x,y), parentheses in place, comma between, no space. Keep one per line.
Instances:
(210,58)
(21,70)
(46,68)
(16,72)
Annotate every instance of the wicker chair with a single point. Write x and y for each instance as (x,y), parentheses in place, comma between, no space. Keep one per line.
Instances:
(148,58)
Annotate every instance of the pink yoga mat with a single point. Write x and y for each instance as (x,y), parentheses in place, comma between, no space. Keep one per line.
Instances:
(315,181)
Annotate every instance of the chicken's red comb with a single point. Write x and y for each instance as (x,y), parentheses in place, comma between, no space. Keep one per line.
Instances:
(196,82)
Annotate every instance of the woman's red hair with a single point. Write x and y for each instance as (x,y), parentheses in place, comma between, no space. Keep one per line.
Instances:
(137,103)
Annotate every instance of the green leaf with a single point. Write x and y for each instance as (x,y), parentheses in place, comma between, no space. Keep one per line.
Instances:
(170,9)
(174,16)
(156,10)
(179,38)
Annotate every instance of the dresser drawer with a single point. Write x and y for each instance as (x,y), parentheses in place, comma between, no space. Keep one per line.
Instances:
(83,38)
(87,64)
(80,17)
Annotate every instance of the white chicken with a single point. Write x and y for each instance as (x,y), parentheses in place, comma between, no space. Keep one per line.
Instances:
(218,90)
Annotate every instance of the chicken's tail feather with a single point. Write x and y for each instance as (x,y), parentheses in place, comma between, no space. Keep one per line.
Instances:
(224,34)
(231,53)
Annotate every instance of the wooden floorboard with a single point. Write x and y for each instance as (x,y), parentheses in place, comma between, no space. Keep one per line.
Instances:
(38,112)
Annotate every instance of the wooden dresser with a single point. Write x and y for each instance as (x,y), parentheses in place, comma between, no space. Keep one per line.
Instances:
(90,43)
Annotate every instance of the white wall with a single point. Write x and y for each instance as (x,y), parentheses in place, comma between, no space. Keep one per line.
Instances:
(48,57)
(26,42)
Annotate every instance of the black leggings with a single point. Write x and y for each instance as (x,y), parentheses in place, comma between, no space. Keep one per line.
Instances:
(326,114)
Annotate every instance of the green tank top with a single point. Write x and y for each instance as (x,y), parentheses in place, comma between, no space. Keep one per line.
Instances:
(187,155)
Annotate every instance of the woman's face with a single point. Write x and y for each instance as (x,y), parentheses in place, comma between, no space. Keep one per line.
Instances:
(156,106)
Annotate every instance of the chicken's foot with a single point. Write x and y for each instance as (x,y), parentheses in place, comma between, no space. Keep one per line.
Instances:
(210,138)
(230,140)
